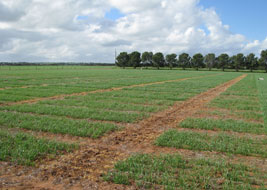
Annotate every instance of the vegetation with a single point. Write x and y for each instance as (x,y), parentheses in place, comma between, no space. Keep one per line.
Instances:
(25,149)
(220,143)
(223,61)
(263,97)
(240,97)
(55,125)
(174,172)
(116,97)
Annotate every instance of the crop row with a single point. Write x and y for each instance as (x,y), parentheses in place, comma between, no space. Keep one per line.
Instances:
(175,172)
(25,149)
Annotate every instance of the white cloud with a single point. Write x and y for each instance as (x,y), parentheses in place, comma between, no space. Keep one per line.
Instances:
(48,30)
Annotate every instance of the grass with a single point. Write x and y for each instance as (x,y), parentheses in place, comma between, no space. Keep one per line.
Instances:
(25,149)
(219,142)
(246,115)
(112,105)
(122,107)
(263,96)
(174,172)
(77,112)
(242,96)
(55,125)
(224,125)
(67,81)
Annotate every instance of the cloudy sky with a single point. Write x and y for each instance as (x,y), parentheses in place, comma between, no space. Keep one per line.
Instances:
(90,30)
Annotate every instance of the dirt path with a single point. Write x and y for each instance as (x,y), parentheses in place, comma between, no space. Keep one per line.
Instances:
(83,168)
(61,96)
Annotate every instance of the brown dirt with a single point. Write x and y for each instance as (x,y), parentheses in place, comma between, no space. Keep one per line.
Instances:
(61,96)
(83,168)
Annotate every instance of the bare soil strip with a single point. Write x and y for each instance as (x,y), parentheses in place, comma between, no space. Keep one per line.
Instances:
(83,168)
(61,96)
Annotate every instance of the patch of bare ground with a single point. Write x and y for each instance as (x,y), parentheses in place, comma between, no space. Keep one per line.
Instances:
(83,168)
(62,96)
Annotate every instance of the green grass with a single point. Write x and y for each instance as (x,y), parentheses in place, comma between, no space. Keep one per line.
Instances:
(237,104)
(120,106)
(77,112)
(25,149)
(55,125)
(107,104)
(241,96)
(247,115)
(220,143)
(67,81)
(224,125)
(262,86)
(174,172)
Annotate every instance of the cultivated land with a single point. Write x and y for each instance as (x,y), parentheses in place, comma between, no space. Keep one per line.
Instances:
(109,128)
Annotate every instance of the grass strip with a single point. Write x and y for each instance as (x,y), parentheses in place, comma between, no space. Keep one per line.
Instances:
(220,143)
(174,172)
(55,125)
(261,84)
(77,112)
(224,125)
(25,149)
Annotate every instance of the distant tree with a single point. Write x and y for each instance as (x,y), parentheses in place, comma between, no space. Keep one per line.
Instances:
(147,58)
(210,60)
(198,60)
(239,60)
(231,62)
(122,59)
(216,63)
(158,60)
(251,61)
(184,60)
(263,59)
(171,60)
(223,61)
(135,59)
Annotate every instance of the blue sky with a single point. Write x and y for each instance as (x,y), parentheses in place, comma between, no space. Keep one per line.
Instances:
(247,17)
(113,14)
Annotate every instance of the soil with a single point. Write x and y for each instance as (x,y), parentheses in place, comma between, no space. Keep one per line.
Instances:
(83,168)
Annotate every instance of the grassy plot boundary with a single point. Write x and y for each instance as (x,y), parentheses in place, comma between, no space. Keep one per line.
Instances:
(174,172)
(220,143)
(224,125)
(26,149)
(80,128)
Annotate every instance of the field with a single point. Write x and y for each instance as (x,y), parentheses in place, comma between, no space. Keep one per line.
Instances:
(109,128)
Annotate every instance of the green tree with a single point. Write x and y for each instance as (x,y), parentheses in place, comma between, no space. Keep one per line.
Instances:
(210,60)
(171,60)
(198,60)
(135,59)
(223,61)
(239,60)
(251,61)
(231,62)
(263,59)
(147,59)
(184,60)
(122,59)
(158,60)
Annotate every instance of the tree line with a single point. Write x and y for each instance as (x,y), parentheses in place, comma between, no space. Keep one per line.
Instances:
(184,60)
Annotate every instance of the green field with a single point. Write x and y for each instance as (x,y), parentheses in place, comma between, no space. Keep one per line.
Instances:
(96,102)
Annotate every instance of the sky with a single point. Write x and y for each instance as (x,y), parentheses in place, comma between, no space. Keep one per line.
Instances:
(91,30)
